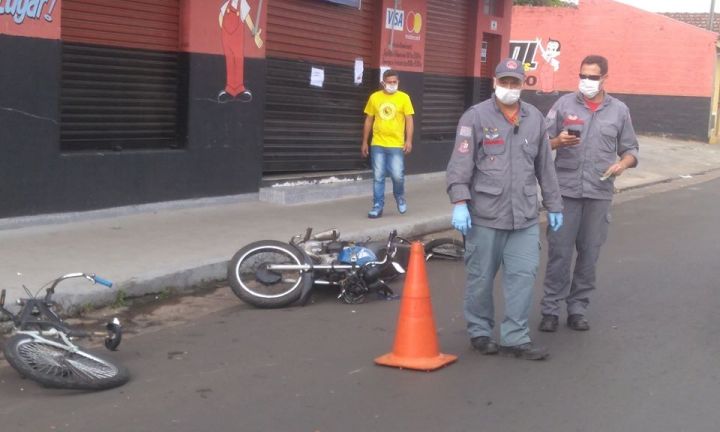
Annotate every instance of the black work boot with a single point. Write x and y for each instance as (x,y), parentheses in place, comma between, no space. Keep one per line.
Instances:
(484,344)
(549,323)
(578,322)
(525,351)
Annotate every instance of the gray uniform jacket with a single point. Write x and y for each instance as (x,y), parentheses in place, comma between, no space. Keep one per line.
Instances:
(604,135)
(496,167)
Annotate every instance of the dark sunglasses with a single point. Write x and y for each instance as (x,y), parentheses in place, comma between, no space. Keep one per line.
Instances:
(591,77)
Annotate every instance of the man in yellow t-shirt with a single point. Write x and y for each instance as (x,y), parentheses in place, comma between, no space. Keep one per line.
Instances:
(389,115)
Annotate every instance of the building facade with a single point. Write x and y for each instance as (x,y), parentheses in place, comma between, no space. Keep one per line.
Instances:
(106,104)
(663,69)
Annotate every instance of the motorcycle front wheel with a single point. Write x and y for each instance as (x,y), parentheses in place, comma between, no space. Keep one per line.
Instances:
(59,367)
(445,249)
(255,283)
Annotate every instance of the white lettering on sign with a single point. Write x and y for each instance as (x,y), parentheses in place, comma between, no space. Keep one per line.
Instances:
(21,9)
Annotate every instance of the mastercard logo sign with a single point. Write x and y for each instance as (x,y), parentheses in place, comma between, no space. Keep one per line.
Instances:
(414,22)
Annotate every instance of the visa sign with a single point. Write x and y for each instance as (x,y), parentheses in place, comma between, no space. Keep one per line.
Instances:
(395,19)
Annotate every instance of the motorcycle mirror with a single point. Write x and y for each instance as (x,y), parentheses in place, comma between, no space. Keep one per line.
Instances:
(398,268)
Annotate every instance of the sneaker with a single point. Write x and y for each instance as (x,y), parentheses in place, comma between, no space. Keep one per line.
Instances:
(526,351)
(402,205)
(578,322)
(224,97)
(376,212)
(244,96)
(549,323)
(484,344)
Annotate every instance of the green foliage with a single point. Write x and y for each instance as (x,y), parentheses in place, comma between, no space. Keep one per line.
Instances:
(166,293)
(120,300)
(551,3)
(86,308)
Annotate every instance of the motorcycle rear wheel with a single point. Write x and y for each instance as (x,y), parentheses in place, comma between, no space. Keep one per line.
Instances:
(57,367)
(253,283)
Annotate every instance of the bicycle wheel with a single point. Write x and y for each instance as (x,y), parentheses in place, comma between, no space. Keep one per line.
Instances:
(445,248)
(256,284)
(58,367)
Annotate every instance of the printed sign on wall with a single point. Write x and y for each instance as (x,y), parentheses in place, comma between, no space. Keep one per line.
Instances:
(539,72)
(36,18)
(403,34)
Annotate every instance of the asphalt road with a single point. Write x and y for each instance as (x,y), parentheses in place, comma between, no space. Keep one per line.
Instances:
(651,361)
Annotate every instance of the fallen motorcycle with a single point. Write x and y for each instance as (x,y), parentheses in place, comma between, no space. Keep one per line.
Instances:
(273,274)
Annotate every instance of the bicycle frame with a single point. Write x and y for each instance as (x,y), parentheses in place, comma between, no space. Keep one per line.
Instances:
(33,309)
(37,318)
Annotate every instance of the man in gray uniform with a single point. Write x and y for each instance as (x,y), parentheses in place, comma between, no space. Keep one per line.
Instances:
(501,152)
(590,131)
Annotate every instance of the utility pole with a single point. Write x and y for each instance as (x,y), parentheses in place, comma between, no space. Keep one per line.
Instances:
(712,15)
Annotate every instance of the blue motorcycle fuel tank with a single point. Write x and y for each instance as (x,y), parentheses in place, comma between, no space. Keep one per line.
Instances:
(356,254)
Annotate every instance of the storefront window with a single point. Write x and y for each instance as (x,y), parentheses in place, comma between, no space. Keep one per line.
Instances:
(493,7)
(353,3)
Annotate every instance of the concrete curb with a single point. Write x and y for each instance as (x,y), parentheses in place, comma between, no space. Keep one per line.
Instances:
(665,180)
(186,280)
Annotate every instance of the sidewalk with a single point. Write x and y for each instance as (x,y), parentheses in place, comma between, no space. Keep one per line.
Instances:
(178,248)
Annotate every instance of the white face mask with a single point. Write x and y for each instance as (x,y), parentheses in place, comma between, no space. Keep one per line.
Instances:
(391,88)
(589,88)
(507,96)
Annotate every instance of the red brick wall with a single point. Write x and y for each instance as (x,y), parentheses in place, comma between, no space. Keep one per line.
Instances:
(648,53)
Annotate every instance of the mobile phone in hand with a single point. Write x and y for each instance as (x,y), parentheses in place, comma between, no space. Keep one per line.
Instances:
(575,133)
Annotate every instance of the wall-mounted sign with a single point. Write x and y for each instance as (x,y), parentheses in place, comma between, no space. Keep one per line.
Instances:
(30,9)
(493,25)
(403,36)
(317,77)
(359,70)
(353,3)
(539,71)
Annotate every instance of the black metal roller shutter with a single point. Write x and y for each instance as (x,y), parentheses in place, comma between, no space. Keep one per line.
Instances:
(446,82)
(120,75)
(310,129)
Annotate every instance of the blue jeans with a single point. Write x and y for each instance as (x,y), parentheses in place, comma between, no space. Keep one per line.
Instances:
(386,161)
(518,251)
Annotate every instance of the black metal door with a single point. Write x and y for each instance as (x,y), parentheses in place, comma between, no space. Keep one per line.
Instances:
(446,83)
(310,129)
(120,75)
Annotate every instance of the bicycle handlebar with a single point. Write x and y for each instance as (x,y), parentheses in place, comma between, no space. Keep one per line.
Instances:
(91,277)
(102,281)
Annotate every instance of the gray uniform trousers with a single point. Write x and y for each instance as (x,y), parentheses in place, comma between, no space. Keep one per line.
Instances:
(519,253)
(585,229)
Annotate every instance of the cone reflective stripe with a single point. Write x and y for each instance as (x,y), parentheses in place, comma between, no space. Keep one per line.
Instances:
(416,343)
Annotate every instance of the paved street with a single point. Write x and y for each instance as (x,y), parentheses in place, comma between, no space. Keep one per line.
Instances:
(180,245)
(650,362)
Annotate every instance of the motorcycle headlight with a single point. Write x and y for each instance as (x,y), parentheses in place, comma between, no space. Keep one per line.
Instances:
(371,273)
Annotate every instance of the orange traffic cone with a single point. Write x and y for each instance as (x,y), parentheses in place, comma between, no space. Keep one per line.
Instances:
(416,344)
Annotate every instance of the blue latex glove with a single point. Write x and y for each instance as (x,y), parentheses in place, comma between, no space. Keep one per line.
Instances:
(555,220)
(461,218)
